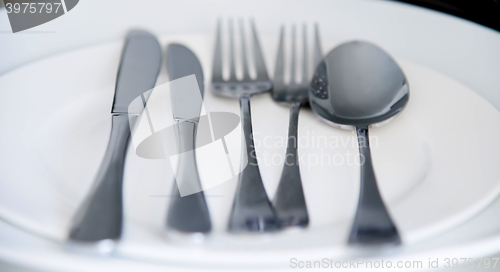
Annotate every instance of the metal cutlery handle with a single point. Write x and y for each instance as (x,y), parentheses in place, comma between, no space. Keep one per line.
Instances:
(252,210)
(188,213)
(372,223)
(100,216)
(289,200)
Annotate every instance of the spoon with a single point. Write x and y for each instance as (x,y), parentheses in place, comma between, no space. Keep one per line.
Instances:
(355,86)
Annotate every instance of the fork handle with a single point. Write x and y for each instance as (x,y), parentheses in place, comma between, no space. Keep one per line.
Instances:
(252,211)
(246,120)
(372,223)
(100,215)
(289,200)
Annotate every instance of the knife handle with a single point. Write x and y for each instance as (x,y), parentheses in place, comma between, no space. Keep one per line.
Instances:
(188,213)
(100,215)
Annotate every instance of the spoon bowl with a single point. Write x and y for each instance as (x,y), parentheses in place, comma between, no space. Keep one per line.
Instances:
(358,84)
(355,86)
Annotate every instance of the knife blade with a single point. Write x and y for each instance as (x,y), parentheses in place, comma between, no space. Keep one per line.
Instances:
(187,213)
(139,67)
(99,217)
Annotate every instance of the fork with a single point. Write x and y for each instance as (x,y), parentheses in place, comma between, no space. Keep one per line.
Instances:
(252,210)
(289,200)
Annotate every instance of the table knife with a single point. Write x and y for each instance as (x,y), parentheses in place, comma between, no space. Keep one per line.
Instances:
(189,213)
(99,218)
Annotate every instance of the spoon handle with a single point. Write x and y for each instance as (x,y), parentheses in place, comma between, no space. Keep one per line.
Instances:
(252,211)
(289,200)
(372,223)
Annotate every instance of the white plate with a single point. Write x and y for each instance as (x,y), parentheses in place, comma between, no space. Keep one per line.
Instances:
(454,47)
(433,166)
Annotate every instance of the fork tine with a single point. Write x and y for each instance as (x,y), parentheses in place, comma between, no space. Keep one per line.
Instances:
(318,54)
(217,62)
(232,65)
(260,66)
(246,75)
(280,59)
(293,70)
(305,71)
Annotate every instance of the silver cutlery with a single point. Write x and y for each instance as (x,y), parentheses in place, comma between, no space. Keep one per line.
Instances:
(188,213)
(100,216)
(358,85)
(252,210)
(289,200)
